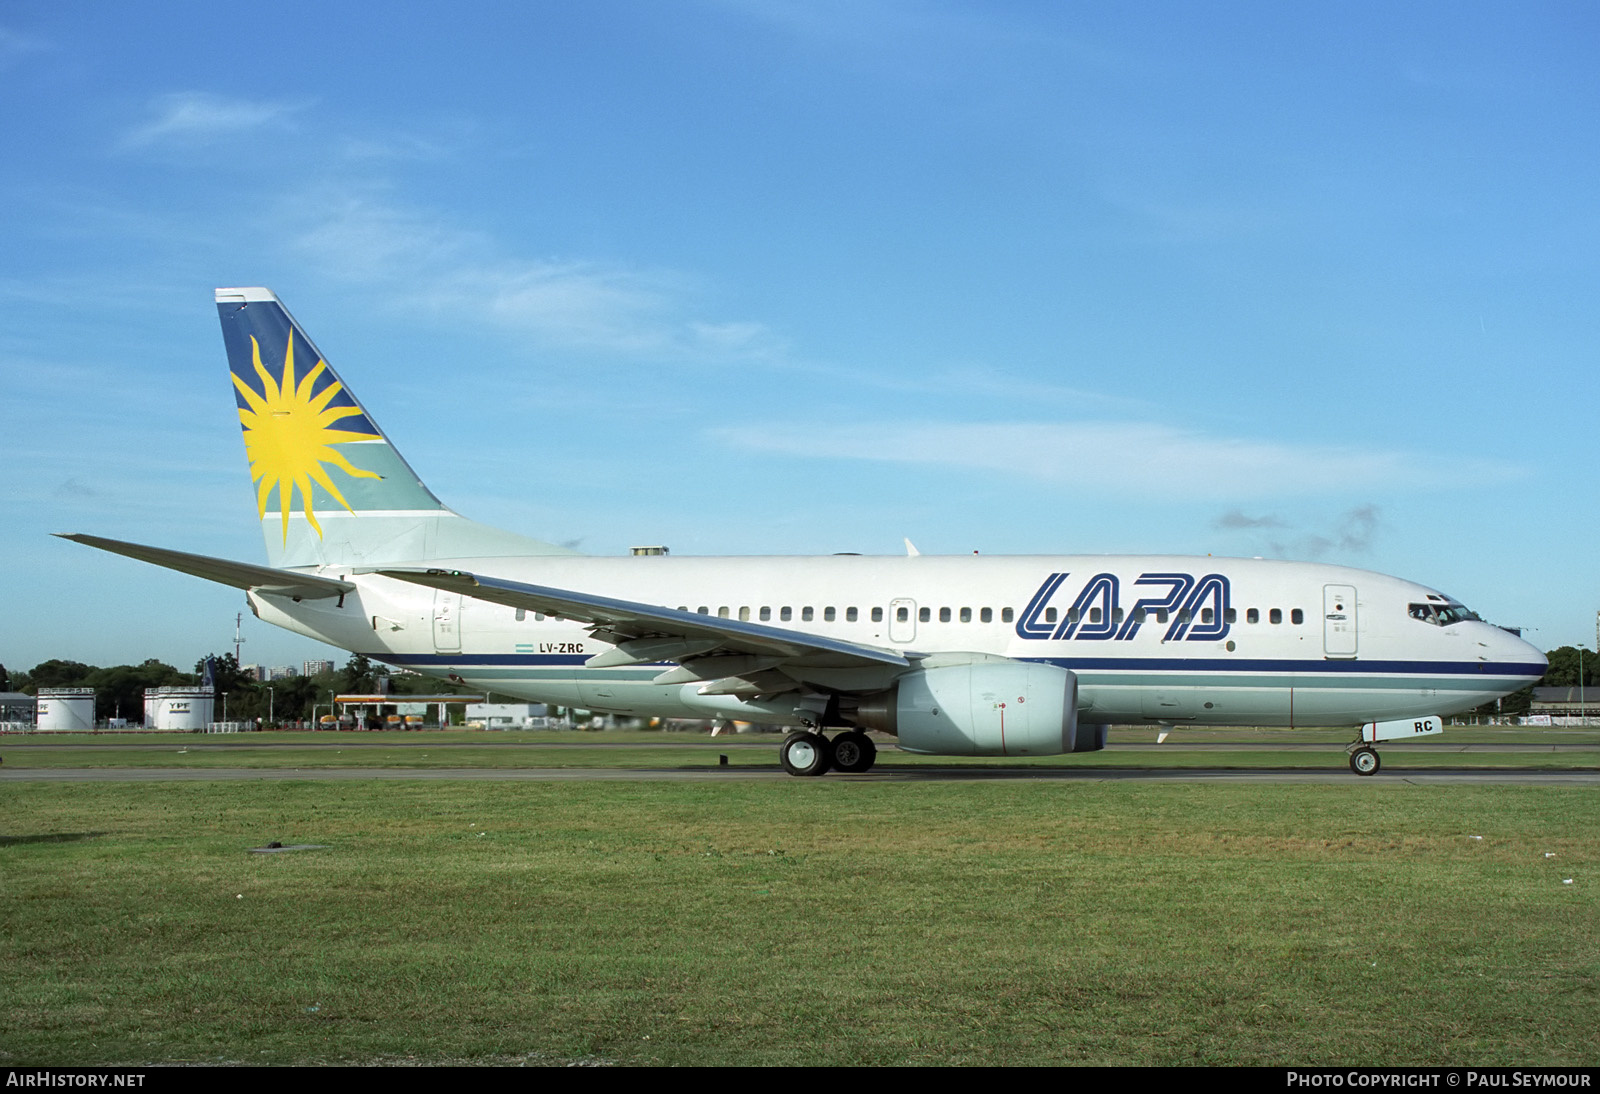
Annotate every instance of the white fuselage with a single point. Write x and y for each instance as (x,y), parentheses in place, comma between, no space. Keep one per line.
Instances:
(1150,638)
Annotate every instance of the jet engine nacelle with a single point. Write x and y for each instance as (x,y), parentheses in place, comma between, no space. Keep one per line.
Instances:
(993,708)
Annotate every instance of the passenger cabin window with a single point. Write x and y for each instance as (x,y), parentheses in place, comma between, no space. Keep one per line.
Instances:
(766,613)
(1049,615)
(722,612)
(877,614)
(924,615)
(786,613)
(986,615)
(744,614)
(1253,615)
(944,615)
(849,615)
(901,614)
(805,615)
(522,613)
(966,615)
(1005,615)
(1297,616)
(1275,616)
(703,610)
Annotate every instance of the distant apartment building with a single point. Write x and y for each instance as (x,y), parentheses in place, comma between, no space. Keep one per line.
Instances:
(258,673)
(283,672)
(317,668)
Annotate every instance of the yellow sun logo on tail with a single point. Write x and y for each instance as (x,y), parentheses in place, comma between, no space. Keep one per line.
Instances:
(289,435)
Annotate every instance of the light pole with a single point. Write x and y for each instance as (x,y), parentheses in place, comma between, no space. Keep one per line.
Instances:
(271,695)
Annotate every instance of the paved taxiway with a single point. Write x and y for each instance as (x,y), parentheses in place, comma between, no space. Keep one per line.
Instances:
(887,773)
(1313,762)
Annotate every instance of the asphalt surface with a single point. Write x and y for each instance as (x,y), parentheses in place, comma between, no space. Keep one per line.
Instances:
(1314,762)
(885,773)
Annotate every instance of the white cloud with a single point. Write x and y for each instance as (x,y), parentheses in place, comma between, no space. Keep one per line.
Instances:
(974,382)
(447,269)
(193,117)
(362,239)
(1133,458)
(15,46)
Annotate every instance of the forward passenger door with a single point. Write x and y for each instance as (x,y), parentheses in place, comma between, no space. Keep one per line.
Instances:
(1339,620)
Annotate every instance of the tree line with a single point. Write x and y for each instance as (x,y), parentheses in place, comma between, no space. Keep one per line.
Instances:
(119,689)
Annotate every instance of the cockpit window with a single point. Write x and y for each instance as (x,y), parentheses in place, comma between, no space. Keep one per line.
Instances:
(1443,615)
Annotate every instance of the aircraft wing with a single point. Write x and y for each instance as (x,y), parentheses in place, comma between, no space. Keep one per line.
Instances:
(645,633)
(241,575)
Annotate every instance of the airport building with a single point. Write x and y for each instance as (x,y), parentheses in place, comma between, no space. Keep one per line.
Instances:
(17,710)
(380,709)
(508,715)
(1564,706)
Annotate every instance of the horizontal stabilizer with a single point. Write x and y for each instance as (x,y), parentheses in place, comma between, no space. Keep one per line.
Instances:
(241,575)
(626,620)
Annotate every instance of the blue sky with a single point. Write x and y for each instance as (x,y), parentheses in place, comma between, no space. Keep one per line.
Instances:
(1310,281)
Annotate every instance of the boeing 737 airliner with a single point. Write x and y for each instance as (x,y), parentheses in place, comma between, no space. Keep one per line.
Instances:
(965,655)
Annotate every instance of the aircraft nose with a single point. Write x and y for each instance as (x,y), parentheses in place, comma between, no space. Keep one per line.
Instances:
(1531,662)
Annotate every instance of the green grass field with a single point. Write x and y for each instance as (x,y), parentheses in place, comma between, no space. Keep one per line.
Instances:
(1228,747)
(827,921)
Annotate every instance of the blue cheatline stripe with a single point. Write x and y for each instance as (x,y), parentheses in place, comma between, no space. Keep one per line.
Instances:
(1339,668)
(1187,665)
(508,659)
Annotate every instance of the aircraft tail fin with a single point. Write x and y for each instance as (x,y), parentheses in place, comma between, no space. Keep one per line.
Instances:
(331,489)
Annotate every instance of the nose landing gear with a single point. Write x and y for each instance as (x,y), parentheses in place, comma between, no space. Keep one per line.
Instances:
(1364,761)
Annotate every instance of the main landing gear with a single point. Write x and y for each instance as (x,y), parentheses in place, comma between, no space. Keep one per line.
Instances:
(1364,761)
(805,752)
